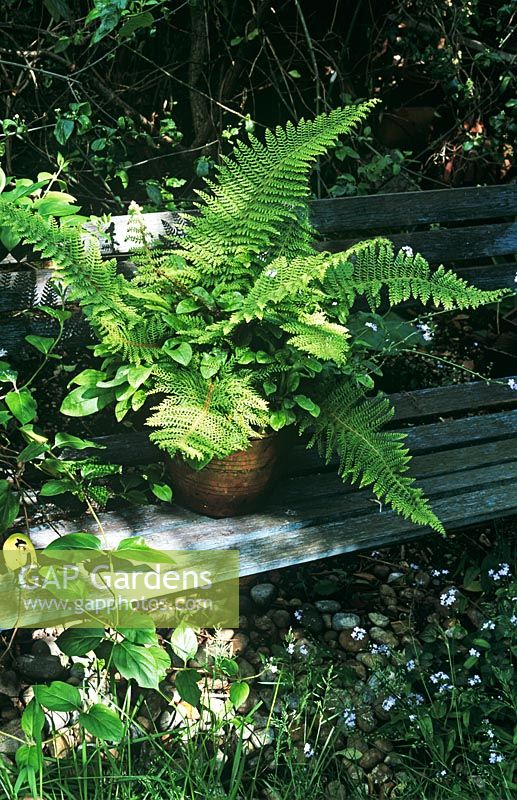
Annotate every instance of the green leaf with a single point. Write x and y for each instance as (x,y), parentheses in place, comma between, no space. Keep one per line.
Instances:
(63,130)
(29,756)
(137,663)
(75,541)
(162,491)
(59,696)
(33,719)
(60,314)
(143,20)
(294,73)
(239,693)
(139,635)
(41,343)
(9,509)
(184,642)
(278,419)
(86,400)
(102,722)
(21,404)
(74,442)
(307,404)
(33,450)
(136,549)
(58,9)
(182,354)
(186,684)
(136,376)
(79,641)
(55,487)
(187,305)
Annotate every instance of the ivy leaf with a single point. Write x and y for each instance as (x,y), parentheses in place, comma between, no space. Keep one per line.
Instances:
(74,442)
(79,641)
(184,642)
(162,492)
(33,719)
(143,20)
(86,400)
(41,343)
(55,487)
(63,130)
(102,722)
(59,696)
(75,541)
(186,684)
(239,693)
(21,404)
(137,663)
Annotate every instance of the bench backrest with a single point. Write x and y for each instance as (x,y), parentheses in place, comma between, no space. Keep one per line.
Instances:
(475,229)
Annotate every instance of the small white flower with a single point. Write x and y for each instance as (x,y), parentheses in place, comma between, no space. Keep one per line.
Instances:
(298,615)
(304,650)
(475,680)
(389,702)
(2,352)
(515,279)
(271,273)
(349,718)
(449,597)
(488,625)
(412,717)
(495,758)
(290,648)
(334,303)
(439,677)
(358,634)
(308,750)
(415,697)
(375,553)
(513,619)
(512,383)
(379,649)
(134,208)
(273,668)
(490,733)
(426,331)
(371,325)
(407,250)
(473,652)
(441,774)
(410,666)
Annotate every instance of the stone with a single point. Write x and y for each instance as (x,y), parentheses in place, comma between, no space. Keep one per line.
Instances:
(40,668)
(366,722)
(245,605)
(381,773)
(381,571)
(336,791)
(9,746)
(250,702)
(422,579)
(370,660)
(328,606)
(400,627)
(9,683)
(330,636)
(388,593)
(342,620)
(393,577)
(383,744)
(225,634)
(379,620)
(246,669)
(265,625)
(263,594)
(40,648)
(381,636)
(281,618)
(262,737)
(327,621)
(243,622)
(311,620)
(352,645)
(370,759)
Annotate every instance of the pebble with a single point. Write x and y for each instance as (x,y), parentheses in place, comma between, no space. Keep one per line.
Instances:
(9,746)
(370,759)
(239,643)
(9,683)
(311,620)
(281,618)
(350,644)
(379,620)
(336,791)
(246,669)
(328,606)
(40,668)
(265,625)
(393,577)
(263,594)
(382,636)
(342,620)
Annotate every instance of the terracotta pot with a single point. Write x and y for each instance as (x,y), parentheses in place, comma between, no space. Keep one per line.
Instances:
(228,486)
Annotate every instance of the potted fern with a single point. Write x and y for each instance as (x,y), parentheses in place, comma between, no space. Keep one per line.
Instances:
(242,328)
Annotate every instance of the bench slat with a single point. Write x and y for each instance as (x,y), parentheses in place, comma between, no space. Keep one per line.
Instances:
(385,211)
(299,534)
(448,245)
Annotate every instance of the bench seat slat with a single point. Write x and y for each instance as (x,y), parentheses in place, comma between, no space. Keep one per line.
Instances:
(448,245)
(385,211)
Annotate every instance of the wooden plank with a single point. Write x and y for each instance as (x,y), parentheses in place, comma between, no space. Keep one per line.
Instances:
(278,538)
(132,448)
(406,209)
(448,245)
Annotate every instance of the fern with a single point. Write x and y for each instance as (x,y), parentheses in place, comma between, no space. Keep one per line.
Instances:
(367,267)
(350,425)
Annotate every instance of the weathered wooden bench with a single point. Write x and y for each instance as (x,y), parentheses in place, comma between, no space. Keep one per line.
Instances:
(465,442)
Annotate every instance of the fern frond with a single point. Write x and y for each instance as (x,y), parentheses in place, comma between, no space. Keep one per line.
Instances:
(350,426)
(259,189)
(365,268)
(204,419)
(314,334)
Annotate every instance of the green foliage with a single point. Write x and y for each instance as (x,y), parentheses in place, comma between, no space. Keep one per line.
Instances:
(243,326)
